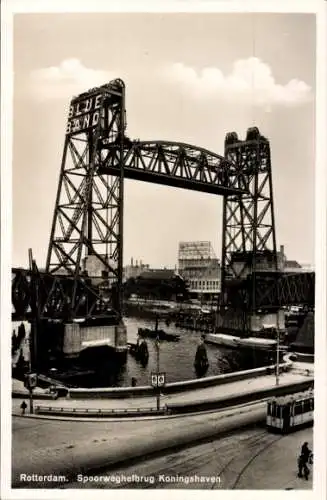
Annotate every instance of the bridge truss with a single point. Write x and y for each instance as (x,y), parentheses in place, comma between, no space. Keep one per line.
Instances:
(84,267)
(87,230)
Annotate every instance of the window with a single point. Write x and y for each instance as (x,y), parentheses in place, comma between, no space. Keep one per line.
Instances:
(298,408)
(286,411)
(306,406)
(274,410)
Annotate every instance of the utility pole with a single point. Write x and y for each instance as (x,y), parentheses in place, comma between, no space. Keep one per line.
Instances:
(158,362)
(31,400)
(277,353)
(158,371)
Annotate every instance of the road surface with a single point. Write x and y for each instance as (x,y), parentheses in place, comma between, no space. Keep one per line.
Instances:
(48,446)
(250,459)
(188,396)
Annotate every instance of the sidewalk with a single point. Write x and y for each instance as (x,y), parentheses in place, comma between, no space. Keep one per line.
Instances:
(279,460)
(198,395)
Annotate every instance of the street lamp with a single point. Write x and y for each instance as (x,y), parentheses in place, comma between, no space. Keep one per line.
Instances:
(277,353)
(157,344)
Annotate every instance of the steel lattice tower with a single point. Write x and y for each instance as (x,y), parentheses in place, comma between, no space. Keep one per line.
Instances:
(249,238)
(87,226)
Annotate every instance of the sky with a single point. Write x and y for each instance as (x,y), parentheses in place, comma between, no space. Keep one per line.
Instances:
(190,78)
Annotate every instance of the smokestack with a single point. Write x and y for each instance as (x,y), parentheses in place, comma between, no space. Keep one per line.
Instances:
(132,261)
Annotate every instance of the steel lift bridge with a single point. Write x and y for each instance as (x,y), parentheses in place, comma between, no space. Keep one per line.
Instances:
(84,267)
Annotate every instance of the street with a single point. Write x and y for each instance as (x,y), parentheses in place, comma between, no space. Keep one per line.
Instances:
(250,459)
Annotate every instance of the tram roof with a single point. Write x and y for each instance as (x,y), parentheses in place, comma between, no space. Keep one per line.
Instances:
(292,398)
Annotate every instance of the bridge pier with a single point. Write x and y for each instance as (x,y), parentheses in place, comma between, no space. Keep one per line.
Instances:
(238,322)
(78,337)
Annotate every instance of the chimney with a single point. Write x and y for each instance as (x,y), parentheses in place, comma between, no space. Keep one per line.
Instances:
(282,250)
(132,261)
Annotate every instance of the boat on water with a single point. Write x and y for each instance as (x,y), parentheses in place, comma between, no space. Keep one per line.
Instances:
(157,333)
(139,351)
(201,363)
(222,339)
(258,343)
(241,342)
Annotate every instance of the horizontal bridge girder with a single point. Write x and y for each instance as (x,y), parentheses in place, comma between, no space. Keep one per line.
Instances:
(174,164)
(48,296)
(272,291)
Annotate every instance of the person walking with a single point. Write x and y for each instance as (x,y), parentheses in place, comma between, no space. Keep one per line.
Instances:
(303,461)
(23,407)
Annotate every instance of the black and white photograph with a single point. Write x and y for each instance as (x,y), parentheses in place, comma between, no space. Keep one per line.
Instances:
(163,240)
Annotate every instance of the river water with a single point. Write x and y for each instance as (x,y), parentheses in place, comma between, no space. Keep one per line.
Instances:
(176,360)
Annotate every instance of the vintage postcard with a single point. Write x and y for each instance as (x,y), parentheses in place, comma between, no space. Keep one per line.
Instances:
(163,240)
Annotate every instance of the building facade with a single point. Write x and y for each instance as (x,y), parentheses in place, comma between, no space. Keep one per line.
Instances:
(199,266)
(134,269)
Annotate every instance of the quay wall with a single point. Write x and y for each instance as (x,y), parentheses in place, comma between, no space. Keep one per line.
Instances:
(175,387)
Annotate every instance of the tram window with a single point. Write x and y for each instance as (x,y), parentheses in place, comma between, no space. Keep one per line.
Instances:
(276,410)
(298,408)
(286,411)
(306,406)
(273,410)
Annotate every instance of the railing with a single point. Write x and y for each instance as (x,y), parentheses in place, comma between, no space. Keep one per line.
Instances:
(121,412)
(181,408)
(175,387)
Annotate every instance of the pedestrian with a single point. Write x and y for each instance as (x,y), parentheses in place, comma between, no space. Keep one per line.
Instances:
(303,460)
(23,407)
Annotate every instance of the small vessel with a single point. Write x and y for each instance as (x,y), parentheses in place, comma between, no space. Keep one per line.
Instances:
(240,342)
(139,351)
(157,333)
(222,339)
(201,363)
(257,343)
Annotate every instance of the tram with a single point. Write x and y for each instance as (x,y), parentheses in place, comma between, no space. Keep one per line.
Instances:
(288,413)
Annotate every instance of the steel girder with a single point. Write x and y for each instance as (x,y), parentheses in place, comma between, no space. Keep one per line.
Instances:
(87,228)
(285,290)
(175,164)
(272,290)
(249,240)
(88,215)
(48,296)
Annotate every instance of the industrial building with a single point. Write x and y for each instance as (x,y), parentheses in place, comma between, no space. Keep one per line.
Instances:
(134,269)
(199,266)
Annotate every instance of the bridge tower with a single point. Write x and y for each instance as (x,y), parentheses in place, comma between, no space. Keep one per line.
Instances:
(249,236)
(87,228)
(86,234)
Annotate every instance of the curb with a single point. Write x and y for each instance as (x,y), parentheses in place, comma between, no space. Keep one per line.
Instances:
(175,387)
(164,416)
(222,403)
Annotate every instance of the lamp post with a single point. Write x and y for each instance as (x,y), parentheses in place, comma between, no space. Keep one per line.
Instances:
(158,371)
(277,353)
